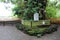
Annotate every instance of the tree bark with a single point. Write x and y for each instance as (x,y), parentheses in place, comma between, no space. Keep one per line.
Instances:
(43,12)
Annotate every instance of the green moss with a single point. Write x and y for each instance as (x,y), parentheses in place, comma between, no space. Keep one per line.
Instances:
(35,23)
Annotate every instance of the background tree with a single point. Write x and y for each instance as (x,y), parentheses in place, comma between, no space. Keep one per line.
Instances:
(27,8)
(51,9)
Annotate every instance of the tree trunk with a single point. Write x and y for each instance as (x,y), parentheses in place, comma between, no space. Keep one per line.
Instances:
(43,12)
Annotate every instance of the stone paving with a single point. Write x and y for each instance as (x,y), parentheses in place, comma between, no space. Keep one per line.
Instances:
(9,32)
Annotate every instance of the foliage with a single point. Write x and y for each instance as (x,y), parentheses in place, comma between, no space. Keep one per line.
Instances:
(51,12)
(58,6)
(52,28)
(27,8)
(2,0)
(51,9)
(37,31)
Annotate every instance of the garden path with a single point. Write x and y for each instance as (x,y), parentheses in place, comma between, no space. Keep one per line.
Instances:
(9,32)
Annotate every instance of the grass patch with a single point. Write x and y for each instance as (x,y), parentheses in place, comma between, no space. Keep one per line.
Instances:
(35,23)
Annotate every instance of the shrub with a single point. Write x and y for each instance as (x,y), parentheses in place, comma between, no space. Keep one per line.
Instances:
(51,9)
(52,28)
(38,31)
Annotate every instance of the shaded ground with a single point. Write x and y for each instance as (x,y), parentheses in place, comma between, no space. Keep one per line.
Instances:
(9,32)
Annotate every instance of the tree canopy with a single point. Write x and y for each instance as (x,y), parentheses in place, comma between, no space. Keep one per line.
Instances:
(27,8)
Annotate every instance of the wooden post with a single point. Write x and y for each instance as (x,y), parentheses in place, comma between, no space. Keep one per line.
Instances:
(31,23)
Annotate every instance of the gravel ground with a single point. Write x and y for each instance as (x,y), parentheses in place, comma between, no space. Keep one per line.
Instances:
(9,32)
